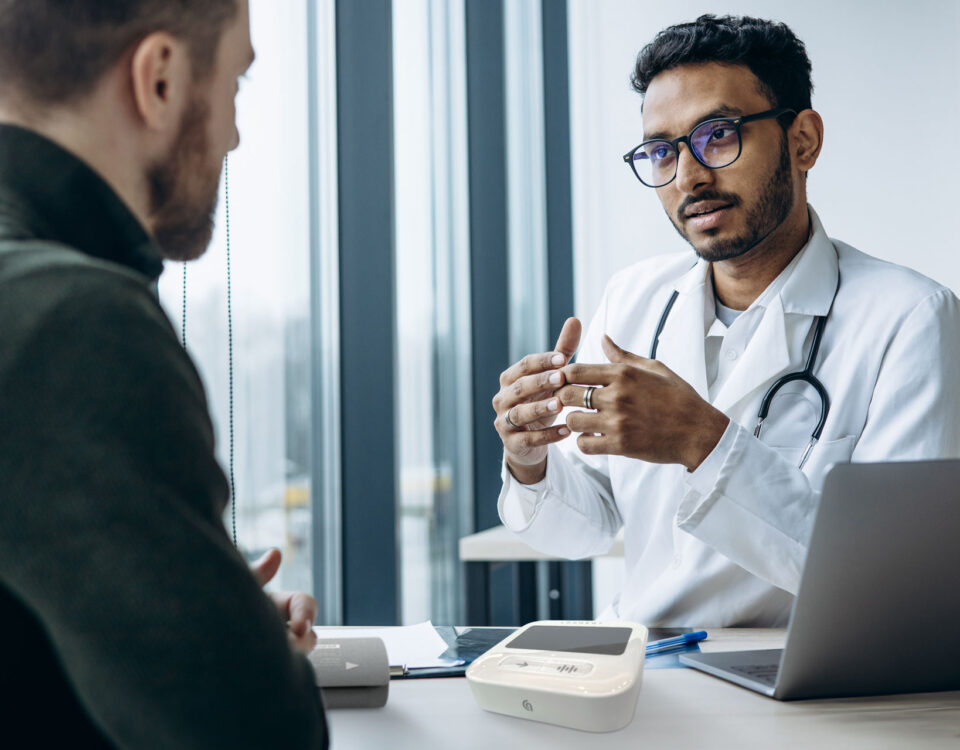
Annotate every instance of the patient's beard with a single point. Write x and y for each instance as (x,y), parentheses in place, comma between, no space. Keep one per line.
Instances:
(184,189)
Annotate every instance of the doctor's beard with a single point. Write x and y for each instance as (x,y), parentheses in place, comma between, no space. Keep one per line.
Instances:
(770,211)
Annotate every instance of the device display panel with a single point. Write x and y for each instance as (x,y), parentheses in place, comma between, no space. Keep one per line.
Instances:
(574,639)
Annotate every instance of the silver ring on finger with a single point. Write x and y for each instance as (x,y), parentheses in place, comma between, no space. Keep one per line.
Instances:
(509,421)
(588,397)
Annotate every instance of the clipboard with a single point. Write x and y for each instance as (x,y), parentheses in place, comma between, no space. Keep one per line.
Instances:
(462,649)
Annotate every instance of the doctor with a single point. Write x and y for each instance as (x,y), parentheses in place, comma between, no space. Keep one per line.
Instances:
(716,518)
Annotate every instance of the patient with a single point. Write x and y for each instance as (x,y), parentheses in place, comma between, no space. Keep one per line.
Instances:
(125,611)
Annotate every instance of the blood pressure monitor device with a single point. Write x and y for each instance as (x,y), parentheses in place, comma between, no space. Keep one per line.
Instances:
(580,674)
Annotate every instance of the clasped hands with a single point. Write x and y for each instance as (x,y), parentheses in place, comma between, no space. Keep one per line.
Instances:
(640,409)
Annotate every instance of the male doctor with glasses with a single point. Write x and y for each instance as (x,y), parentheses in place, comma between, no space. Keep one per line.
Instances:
(714,392)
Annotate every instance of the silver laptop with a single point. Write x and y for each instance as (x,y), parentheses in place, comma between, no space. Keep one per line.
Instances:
(879,599)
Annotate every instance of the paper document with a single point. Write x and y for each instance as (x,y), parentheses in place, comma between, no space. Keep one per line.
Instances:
(412,646)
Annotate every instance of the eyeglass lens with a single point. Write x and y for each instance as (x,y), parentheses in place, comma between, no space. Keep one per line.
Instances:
(715,143)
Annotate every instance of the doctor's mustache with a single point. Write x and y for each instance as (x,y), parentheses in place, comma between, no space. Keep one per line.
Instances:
(707,195)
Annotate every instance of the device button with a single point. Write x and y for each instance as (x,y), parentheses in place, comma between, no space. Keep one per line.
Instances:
(521,664)
(567,668)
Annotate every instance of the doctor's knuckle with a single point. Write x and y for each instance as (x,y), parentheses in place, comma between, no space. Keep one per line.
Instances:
(618,426)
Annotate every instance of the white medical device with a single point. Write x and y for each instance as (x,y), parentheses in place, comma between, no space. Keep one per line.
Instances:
(579,674)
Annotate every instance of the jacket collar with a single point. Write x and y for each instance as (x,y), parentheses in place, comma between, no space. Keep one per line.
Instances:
(47,193)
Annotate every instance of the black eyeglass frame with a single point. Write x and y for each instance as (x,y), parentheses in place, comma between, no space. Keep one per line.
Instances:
(737,122)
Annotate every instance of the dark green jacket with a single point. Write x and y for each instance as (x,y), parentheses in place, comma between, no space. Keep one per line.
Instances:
(127,618)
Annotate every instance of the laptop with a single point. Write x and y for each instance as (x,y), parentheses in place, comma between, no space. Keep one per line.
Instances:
(879,599)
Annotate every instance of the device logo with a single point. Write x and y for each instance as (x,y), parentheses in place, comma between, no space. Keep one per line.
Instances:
(527,705)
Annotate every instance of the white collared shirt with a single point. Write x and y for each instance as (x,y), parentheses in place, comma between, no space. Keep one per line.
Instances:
(725,544)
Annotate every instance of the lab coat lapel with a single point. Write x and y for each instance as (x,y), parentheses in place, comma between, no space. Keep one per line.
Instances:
(681,342)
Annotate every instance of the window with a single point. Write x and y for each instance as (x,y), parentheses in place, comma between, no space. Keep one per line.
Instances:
(432,306)
(270,301)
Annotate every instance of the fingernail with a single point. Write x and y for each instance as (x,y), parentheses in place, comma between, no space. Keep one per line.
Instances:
(553,404)
(558,359)
(563,431)
(555,378)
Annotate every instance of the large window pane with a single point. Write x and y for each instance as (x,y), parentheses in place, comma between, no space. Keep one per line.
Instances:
(269,243)
(433,360)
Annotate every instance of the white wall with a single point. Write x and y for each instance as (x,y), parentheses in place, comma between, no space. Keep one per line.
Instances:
(886,81)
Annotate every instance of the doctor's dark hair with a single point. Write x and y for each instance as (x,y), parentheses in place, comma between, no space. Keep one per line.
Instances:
(771,51)
(56,51)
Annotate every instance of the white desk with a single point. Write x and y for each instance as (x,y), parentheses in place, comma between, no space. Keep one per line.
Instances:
(678,709)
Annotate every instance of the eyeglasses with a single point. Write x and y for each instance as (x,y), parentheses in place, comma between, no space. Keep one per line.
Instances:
(714,143)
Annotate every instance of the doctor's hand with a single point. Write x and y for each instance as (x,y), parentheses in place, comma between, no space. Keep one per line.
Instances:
(643,410)
(526,406)
(297,609)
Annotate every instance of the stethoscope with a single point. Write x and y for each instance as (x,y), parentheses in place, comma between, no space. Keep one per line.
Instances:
(806,375)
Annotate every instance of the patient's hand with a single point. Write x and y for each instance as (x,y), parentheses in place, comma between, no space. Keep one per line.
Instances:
(298,610)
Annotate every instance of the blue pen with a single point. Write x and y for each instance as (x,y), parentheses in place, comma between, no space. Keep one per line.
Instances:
(678,642)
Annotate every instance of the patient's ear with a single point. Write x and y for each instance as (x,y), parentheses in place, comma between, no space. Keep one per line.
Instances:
(161,78)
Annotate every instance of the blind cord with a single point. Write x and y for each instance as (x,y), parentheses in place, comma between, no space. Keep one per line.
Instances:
(183,313)
(183,340)
(233,486)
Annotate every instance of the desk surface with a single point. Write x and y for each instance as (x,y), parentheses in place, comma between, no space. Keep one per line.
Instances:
(678,708)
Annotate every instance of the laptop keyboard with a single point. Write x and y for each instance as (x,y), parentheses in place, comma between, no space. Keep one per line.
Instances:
(763,673)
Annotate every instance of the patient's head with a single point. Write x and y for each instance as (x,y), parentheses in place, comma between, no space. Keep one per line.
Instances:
(143,90)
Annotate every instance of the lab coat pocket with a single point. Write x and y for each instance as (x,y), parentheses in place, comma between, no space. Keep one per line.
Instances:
(789,425)
(824,455)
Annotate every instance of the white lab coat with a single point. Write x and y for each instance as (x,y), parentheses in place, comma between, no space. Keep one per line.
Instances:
(725,545)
